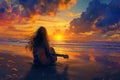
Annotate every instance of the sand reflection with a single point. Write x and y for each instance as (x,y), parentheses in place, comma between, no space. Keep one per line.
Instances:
(58,72)
(83,64)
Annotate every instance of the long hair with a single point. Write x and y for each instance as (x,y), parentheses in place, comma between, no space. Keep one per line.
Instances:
(39,39)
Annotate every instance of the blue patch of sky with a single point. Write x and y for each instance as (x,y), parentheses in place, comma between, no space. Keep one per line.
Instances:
(81,5)
(105,1)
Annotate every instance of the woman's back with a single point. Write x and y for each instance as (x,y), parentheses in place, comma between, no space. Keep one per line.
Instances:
(41,57)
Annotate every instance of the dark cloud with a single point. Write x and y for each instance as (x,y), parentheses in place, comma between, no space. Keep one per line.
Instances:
(2,10)
(111,16)
(28,8)
(3,7)
(19,11)
(105,17)
(43,7)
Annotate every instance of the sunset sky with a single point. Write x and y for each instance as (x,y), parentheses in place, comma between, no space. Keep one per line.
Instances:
(85,20)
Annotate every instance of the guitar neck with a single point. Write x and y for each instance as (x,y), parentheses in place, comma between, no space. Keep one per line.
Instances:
(60,55)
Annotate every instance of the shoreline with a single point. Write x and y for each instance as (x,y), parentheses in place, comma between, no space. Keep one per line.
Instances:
(16,67)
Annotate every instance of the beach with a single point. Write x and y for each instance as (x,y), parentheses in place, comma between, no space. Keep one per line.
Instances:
(85,31)
(95,63)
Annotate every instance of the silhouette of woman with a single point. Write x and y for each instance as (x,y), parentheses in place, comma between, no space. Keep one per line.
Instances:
(40,48)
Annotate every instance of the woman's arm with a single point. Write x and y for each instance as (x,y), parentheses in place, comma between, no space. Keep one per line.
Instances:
(52,51)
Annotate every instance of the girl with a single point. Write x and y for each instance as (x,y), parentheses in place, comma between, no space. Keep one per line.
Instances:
(40,48)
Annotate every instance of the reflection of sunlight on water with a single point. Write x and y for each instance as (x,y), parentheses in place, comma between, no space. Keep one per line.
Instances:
(92,52)
(91,58)
(92,55)
(18,50)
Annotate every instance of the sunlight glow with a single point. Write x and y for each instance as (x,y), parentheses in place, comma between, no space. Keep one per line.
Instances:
(58,37)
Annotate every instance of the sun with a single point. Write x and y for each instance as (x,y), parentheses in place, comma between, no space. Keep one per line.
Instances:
(58,37)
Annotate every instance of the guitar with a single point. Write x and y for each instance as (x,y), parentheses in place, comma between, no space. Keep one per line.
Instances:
(61,55)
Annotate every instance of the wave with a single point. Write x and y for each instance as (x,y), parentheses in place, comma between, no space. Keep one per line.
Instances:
(72,46)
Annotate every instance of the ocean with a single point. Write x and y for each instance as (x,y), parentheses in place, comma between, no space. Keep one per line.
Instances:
(66,47)
(87,60)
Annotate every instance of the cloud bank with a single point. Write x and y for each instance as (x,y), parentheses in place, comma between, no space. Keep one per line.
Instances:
(30,7)
(19,9)
(98,16)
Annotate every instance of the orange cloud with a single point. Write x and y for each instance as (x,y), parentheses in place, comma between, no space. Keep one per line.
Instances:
(13,32)
(64,4)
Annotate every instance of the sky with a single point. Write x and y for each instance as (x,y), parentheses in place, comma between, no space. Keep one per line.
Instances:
(83,20)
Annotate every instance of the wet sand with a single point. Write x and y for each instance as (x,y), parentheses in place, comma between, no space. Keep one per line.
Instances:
(78,67)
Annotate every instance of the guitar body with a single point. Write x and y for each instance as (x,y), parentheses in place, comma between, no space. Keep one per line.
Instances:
(57,55)
(44,59)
